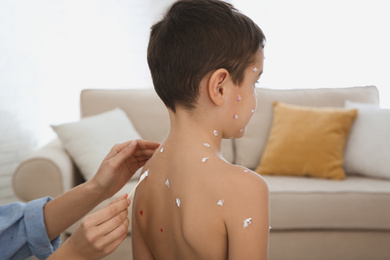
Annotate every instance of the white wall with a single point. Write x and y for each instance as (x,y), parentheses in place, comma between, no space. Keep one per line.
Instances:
(51,50)
(324,43)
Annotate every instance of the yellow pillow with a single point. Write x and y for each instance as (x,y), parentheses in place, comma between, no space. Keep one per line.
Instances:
(306,141)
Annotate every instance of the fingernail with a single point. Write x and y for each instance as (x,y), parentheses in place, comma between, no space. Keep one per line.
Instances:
(124,196)
(132,143)
(128,201)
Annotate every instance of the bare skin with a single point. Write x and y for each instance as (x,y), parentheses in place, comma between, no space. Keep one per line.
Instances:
(202,228)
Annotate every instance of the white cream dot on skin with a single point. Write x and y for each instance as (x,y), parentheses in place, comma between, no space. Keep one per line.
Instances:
(215,132)
(247,222)
(144,175)
(162,150)
(255,69)
(238,98)
(178,202)
(235,116)
(167,182)
(206,144)
(253,111)
(204,159)
(246,170)
(220,202)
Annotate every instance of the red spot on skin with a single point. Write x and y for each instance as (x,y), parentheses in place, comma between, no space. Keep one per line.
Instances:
(161,230)
(141,212)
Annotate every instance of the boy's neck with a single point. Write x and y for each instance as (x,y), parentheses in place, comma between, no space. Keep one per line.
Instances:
(191,128)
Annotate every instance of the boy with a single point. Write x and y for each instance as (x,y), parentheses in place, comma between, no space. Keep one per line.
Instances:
(205,58)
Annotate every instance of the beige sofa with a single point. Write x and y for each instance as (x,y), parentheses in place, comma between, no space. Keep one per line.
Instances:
(310,218)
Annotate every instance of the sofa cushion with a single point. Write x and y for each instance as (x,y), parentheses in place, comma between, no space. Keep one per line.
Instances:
(144,108)
(368,147)
(89,140)
(249,149)
(306,141)
(310,203)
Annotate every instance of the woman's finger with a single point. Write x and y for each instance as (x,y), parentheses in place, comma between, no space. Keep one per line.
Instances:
(117,148)
(109,211)
(124,154)
(113,229)
(112,223)
(141,144)
(145,144)
(112,240)
(147,152)
(142,157)
(124,196)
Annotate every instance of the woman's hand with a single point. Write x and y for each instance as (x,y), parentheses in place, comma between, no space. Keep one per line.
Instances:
(120,165)
(99,234)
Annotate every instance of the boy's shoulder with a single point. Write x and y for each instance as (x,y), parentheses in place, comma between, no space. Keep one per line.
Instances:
(243,179)
(246,199)
(240,186)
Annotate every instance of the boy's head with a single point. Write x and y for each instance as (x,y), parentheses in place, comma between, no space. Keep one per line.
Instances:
(197,37)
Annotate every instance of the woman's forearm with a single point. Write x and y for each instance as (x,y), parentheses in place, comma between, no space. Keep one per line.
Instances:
(65,210)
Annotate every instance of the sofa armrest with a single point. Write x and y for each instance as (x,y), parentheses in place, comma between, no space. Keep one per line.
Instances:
(47,172)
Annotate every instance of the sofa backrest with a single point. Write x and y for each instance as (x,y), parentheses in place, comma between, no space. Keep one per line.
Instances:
(249,149)
(150,116)
(144,108)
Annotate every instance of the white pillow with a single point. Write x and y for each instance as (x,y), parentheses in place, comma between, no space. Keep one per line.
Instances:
(89,140)
(368,146)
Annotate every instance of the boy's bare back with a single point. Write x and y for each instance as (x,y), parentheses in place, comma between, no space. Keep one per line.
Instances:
(190,207)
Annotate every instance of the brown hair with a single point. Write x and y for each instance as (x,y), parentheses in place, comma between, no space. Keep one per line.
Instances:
(197,37)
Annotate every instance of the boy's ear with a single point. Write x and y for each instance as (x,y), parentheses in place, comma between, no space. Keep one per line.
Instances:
(217,86)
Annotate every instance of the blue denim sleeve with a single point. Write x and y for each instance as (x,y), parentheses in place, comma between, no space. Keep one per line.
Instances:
(23,231)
